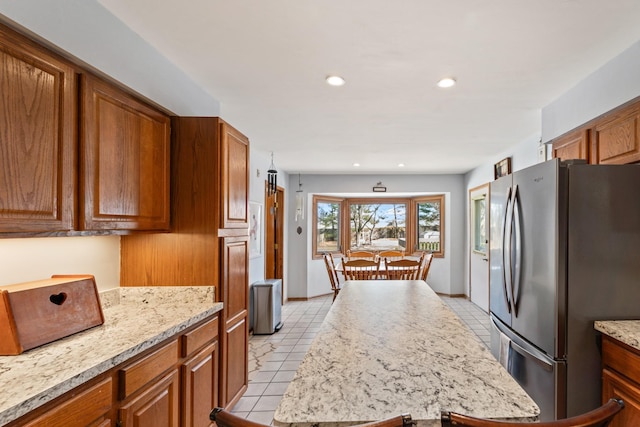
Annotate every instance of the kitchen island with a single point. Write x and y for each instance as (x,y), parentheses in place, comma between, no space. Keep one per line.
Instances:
(392,347)
(136,320)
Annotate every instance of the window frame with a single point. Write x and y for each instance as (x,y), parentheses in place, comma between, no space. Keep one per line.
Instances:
(440,198)
(327,199)
(344,239)
(375,201)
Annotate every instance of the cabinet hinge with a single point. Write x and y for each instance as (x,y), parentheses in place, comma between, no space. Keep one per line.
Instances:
(275,246)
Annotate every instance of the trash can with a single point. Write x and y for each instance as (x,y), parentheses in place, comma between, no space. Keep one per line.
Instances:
(267,306)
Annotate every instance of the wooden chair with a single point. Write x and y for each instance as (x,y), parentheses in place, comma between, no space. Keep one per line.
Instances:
(402,269)
(351,255)
(426,264)
(333,274)
(599,417)
(224,418)
(391,255)
(361,269)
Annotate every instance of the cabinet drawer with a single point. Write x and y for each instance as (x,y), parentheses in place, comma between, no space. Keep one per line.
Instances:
(83,409)
(621,359)
(203,334)
(140,373)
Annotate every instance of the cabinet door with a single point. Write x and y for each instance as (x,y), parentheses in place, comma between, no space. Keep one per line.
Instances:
(87,408)
(234,185)
(158,405)
(124,161)
(573,145)
(200,387)
(616,386)
(617,141)
(37,138)
(235,329)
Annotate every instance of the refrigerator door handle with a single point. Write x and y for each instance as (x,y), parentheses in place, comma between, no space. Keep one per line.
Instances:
(517,251)
(532,354)
(505,253)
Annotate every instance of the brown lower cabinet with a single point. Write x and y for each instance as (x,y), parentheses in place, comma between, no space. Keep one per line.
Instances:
(621,379)
(174,384)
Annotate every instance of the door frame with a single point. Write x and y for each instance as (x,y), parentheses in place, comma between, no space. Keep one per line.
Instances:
(484,188)
(274,235)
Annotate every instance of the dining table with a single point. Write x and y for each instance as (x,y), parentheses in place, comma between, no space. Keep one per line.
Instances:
(390,347)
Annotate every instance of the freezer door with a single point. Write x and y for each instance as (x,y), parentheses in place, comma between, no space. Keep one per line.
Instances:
(539,289)
(499,297)
(543,378)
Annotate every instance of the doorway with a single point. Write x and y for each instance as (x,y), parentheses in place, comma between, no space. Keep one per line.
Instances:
(479,246)
(274,236)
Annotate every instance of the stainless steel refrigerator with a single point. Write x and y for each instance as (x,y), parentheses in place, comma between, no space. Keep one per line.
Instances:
(564,252)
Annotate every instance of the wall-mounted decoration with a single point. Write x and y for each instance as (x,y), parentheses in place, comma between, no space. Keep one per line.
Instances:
(379,188)
(502,168)
(255,230)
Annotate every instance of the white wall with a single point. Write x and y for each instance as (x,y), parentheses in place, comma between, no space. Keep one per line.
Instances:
(615,83)
(308,277)
(27,259)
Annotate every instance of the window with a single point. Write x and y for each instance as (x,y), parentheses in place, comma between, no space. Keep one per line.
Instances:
(375,224)
(479,233)
(429,225)
(327,219)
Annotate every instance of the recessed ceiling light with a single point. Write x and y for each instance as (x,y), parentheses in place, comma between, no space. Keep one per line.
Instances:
(400,165)
(356,165)
(447,82)
(335,80)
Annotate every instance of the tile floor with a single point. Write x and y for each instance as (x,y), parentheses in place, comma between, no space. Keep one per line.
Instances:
(273,359)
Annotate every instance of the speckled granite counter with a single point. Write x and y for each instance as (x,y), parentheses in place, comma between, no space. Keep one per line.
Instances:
(135,320)
(626,331)
(392,347)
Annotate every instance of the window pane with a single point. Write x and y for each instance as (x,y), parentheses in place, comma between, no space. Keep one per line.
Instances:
(479,226)
(328,227)
(378,226)
(429,226)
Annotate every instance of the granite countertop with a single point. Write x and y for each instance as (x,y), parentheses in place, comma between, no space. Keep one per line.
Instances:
(135,319)
(626,331)
(392,347)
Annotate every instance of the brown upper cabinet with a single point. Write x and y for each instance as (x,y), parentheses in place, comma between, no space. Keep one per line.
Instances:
(124,161)
(616,140)
(37,137)
(112,174)
(572,145)
(613,138)
(234,164)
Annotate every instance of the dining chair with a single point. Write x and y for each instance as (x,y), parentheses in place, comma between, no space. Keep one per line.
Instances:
(402,269)
(361,255)
(224,418)
(391,255)
(599,417)
(333,274)
(361,269)
(426,265)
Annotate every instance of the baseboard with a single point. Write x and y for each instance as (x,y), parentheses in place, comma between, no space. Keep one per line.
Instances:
(307,298)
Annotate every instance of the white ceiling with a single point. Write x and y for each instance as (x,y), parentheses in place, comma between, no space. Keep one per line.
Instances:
(266,60)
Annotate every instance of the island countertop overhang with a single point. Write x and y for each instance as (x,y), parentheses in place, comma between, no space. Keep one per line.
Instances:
(392,347)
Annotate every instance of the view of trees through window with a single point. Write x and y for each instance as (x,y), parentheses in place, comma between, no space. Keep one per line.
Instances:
(377,226)
(328,226)
(429,225)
